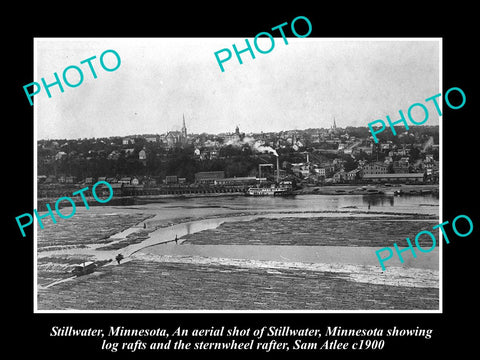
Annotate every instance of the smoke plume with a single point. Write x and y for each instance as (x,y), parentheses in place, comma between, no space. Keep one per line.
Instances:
(255,145)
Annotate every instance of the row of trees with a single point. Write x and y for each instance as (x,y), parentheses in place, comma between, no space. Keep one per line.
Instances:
(180,163)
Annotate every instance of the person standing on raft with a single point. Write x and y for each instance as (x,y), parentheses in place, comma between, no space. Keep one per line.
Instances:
(119,258)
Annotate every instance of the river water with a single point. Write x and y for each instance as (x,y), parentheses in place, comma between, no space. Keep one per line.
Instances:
(252,244)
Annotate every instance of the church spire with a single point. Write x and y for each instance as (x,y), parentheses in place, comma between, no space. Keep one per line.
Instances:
(184,130)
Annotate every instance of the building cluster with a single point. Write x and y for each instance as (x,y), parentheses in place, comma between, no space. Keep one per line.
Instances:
(314,156)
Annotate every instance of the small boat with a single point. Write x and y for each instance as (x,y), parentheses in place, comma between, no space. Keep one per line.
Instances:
(85,268)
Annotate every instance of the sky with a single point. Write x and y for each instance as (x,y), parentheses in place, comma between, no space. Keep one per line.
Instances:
(305,84)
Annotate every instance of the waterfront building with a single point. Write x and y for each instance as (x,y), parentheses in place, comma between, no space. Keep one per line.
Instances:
(375,168)
(209,177)
(125,180)
(241,180)
(403,178)
(171,179)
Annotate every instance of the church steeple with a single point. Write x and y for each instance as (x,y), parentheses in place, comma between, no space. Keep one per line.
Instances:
(184,130)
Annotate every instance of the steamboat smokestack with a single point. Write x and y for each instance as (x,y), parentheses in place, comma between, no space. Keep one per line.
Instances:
(278,171)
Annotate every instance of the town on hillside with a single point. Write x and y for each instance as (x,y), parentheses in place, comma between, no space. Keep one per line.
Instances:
(178,162)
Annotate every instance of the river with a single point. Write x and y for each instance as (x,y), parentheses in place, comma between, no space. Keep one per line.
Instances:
(305,239)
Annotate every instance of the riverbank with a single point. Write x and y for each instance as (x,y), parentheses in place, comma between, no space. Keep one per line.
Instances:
(127,200)
(409,189)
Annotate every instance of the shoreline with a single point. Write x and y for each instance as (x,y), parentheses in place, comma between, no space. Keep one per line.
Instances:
(338,190)
(409,189)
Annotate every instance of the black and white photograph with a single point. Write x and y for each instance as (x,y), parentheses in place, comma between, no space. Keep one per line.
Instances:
(207,174)
(224,180)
